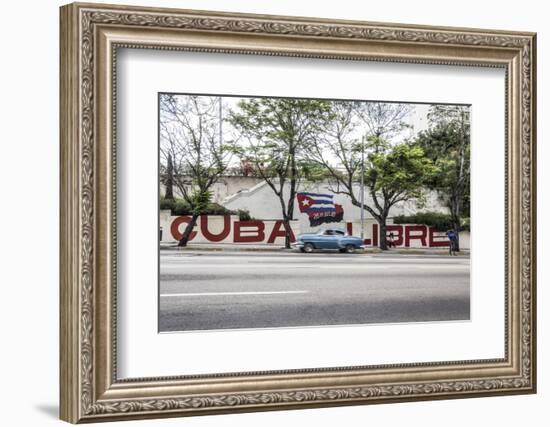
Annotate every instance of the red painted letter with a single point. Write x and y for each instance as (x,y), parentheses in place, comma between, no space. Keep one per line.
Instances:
(421,237)
(175,227)
(396,229)
(215,237)
(432,238)
(258,235)
(278,232)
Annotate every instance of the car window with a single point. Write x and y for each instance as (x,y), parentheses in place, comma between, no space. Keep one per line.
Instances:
(338,232)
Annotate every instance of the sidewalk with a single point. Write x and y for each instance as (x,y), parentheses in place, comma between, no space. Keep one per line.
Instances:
(224,247)
(249,247)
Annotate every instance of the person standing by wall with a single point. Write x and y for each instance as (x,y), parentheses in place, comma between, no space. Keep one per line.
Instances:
(391,242)
(451,235)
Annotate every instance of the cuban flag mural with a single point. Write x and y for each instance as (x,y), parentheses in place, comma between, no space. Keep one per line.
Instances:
(320,208)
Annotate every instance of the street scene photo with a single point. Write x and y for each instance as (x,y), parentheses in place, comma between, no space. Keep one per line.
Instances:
(297,212)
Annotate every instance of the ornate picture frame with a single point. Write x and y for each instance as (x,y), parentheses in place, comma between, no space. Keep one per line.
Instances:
(90,37)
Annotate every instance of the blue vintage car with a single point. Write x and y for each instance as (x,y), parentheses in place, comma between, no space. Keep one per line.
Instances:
(330,238)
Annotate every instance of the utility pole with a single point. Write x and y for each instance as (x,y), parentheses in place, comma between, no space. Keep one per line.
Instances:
(221,120)
(362,194)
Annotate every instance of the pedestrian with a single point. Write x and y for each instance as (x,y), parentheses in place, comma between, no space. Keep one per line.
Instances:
(391,243)
(451,235)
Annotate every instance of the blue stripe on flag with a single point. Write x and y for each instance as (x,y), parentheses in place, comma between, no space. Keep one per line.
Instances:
(308,210)
(329,196)
(322,202)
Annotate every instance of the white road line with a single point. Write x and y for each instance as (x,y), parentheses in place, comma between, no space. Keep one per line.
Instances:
(174,266)
(200,294)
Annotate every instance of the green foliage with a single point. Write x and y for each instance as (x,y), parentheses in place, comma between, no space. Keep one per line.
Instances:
(313,171)
(440,221)
(447,143)
(166,204)
(199,201)
(244,215)
(279,119)
(181,207)
(399,172)
(278,131)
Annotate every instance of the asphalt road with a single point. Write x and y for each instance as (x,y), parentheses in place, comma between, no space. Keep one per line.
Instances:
(201,291)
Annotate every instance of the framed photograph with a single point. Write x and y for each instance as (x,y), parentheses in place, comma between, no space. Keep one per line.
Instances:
(266,212)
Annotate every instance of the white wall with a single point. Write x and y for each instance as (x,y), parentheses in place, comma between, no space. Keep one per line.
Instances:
(261,202)
(225,187)
(29,263)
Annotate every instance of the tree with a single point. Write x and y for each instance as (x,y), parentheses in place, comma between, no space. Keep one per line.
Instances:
(169,178)
(277,132)
(447,143)
(191,145)
(392,173)
(396,174)
(383,119)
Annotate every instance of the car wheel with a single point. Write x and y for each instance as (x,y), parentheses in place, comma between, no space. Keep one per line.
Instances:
(302,250)
(308,248)
(350,249)
(342,250)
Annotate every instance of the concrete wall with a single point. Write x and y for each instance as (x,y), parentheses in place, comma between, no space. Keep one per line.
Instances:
(229,230)
(261,202)
(225,187)
(254,195)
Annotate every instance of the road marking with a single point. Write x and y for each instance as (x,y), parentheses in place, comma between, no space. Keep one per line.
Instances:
(165,267)
(200,294)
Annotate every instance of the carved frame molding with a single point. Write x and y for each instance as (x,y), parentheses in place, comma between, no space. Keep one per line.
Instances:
(90,36)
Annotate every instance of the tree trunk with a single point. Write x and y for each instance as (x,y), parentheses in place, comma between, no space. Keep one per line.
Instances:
(456,228)
(288,232)
(292,196)
(455,219)
(287,214)
(187,232)
(382,236)
(169,192)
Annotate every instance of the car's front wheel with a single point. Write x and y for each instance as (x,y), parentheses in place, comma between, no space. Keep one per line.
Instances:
(350,249)
(308,248)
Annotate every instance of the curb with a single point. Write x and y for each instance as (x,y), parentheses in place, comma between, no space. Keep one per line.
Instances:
(369,251)
(218,249)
